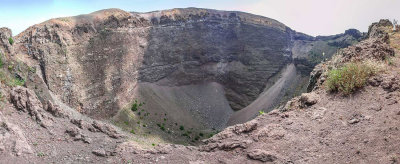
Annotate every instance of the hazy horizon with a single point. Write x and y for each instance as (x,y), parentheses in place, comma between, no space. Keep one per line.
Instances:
(313,17)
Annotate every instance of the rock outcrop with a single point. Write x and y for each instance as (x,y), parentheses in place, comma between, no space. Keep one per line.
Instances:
(26,101)
(6,41)
(29,133)
(377,47)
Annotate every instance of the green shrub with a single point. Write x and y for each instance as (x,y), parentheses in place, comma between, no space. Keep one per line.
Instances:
(32,69)
(10,81)
(41,154)
(211,134)
(3,76)
(19,82)
(348,78)
(1,99)
(10,40)
(182,128)
(261,112)
(10,67)
(135,106)
(1,60)
(389,60)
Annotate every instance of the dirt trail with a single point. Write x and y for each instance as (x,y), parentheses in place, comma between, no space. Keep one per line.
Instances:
(267,99)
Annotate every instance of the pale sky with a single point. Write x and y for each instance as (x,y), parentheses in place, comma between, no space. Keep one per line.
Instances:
(313,17)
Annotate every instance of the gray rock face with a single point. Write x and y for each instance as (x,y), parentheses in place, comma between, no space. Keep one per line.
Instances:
(5,45)
(375,30)
(96,63)
(26,101)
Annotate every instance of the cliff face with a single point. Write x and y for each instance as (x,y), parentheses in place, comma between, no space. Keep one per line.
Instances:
(199,65)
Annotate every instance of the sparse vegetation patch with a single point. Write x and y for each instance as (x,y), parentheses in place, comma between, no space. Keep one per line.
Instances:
(41,154)
(5,78)
(348,78)
(135,106)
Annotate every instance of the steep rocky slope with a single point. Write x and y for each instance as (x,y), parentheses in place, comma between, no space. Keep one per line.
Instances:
(316,127)
(192,67)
